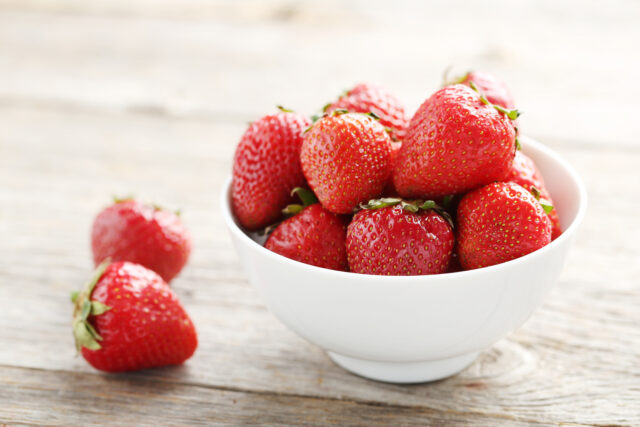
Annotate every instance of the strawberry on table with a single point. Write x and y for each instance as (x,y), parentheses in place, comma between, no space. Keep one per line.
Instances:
(455,142)
(266,167)
(346,158)
(499,222)
(313,235)
(144,234)
(365,98)
(524,172)
(398,238)
(127,318)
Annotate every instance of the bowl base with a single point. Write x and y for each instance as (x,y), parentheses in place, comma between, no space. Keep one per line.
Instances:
(404,372)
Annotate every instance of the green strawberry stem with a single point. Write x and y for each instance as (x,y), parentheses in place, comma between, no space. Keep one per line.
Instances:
(117,199)
(546,205)
(292,210)
(306,196)
(511,114)
(455,80)
(84,333)
(413,207)
(535,192)
(283,109)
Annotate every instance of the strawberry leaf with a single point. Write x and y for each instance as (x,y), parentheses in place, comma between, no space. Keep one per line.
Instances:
(512,114)
(306,196)
(535,192)
(546,206)
(97,308)
(381,203)
(428,204)
(409,207)
(373,115)
(292,210)
(84,337)
(83,332)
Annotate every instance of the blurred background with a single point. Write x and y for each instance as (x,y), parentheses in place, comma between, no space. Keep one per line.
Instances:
(570,64)
(149,98)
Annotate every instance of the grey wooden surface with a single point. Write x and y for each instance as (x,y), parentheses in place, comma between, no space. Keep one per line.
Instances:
(150,97)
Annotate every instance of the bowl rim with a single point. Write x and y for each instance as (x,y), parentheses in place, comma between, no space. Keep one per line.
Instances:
(225,207)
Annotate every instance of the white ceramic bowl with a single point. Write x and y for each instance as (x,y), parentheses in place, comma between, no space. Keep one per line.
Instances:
(418,328)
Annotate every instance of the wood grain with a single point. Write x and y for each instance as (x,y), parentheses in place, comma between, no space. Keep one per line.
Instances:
(213,59)
(155,109)
(83,399)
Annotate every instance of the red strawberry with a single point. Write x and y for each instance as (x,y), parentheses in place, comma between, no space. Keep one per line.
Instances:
(455,142)
(365,98)
(396,238)
(346,159)
(266,167)
(144,234)
(499,222)
(496,91)
(127,318)
(314,235)
(525,173)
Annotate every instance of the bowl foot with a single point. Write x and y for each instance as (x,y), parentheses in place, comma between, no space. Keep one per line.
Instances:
(405,372)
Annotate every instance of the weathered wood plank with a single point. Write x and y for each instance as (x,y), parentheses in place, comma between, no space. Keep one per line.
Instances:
(581,350)
(85,399)
(571,79)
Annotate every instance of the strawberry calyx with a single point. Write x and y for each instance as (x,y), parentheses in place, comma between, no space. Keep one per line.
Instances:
(84,333)
(307,198)
(155,206)
(414,206)
(546,204)
(128,198)
(284,109)
(512,114)
(455,80)
(518,145)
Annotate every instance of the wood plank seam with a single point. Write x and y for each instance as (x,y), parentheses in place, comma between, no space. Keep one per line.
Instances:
(155,379)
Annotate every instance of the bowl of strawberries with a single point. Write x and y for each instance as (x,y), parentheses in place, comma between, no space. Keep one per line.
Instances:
(403,247)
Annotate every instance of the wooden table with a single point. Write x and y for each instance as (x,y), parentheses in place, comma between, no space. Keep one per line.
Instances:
(149,97)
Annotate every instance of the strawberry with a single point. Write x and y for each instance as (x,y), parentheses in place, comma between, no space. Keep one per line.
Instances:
(397,238)
(496,91)
(132,231)
(524,172)
(365,98)
(313,235)
(455,142)
(266,167)
(499,222)
(346,158)
(127,318)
